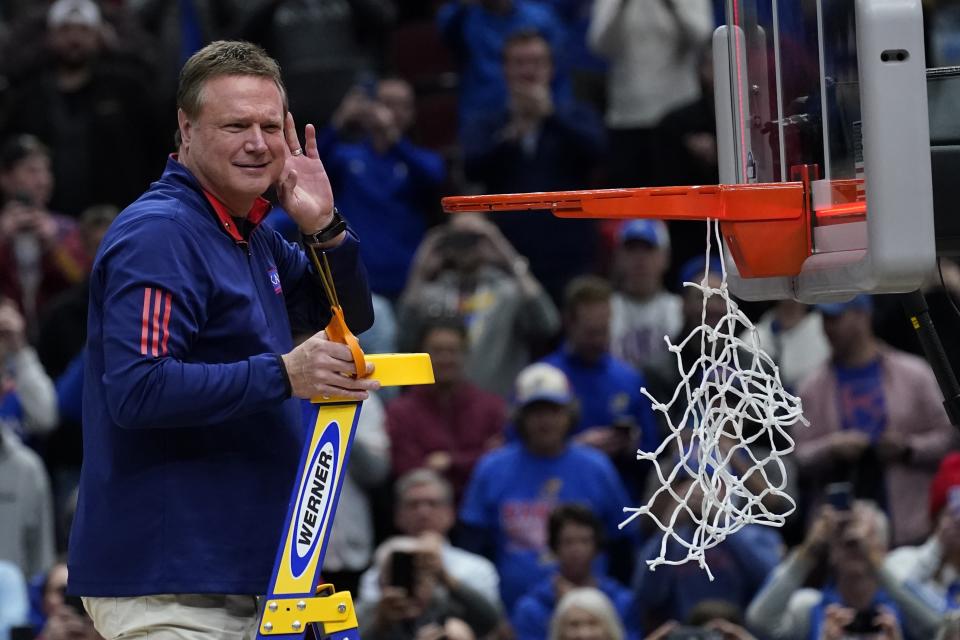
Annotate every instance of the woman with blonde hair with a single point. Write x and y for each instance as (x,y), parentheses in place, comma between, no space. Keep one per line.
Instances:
(585,613)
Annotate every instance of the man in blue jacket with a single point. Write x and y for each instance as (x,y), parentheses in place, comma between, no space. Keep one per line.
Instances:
(191,433)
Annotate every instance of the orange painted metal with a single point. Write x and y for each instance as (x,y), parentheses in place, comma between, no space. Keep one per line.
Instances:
(337,329)
(766,226)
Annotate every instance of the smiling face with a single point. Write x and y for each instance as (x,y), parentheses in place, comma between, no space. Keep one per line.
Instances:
(234,145)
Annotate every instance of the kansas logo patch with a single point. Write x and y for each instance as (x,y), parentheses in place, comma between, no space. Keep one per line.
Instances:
(275,280)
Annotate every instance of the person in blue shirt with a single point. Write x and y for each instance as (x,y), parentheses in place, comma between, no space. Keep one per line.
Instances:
(614,416)
(536,140)
(476,31)
(740,565)
(575,537)
(387,183)
(876,419)
(191,430)
(857,593)
(514,488)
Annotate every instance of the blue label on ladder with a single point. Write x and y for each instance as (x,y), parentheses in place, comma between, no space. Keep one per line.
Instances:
(315,499)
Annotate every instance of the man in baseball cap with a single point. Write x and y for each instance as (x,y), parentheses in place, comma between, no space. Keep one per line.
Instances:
(514,488)
(876,419)
(932,569)
(541,382)
(642,310)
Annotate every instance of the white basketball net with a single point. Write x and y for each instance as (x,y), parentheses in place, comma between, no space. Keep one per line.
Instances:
(731,382)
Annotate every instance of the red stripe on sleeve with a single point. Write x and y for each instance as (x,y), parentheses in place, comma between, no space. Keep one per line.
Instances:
(145,331)
(157,301)
(166,323)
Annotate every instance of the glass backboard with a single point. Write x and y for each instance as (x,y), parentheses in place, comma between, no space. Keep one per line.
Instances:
(832,92)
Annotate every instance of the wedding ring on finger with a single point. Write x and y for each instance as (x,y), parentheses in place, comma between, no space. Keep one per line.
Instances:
(297,152)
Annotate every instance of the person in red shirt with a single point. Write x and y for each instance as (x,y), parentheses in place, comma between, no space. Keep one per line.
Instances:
(41,252)
(446,426)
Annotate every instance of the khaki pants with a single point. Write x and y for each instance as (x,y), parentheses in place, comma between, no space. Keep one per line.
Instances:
(175,617)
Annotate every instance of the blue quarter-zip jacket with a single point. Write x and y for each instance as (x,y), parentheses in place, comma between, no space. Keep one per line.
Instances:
(191,441)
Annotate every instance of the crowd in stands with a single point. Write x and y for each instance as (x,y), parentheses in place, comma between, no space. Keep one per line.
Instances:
(486,505)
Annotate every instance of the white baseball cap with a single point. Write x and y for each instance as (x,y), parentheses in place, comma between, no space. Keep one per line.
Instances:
(83,12)
(542,382)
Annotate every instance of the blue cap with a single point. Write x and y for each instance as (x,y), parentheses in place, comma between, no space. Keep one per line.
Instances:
(692,270)
(861,302)
(653,232)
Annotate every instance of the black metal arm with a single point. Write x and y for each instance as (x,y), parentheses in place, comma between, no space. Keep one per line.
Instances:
(918,314)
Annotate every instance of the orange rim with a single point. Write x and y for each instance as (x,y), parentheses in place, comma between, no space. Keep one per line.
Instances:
(767,226)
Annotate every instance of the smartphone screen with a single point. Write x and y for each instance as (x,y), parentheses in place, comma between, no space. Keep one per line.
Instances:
(840,495)
(22,633)
(401,570)
(863,622)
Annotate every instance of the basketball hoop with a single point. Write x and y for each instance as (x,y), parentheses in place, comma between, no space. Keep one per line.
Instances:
(732,382)
(800,158)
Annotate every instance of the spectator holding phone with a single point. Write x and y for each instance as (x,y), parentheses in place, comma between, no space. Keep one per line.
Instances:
(860,596)
(709,620)
(65,616)
(424,509)
(876,419)
(840,623)
(932,569)
(41,253)
(536,141)
(387,183)
(467,268)
(477,31)
(418,600)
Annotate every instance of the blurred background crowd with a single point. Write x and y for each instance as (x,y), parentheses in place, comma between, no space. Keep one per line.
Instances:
(486,505)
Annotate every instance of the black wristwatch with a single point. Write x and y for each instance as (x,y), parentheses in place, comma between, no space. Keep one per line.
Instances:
(337,226)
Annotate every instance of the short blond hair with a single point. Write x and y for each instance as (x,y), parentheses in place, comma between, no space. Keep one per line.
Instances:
(224,58)
(594,602)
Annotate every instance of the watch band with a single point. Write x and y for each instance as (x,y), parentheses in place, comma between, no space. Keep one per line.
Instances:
(337,226)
